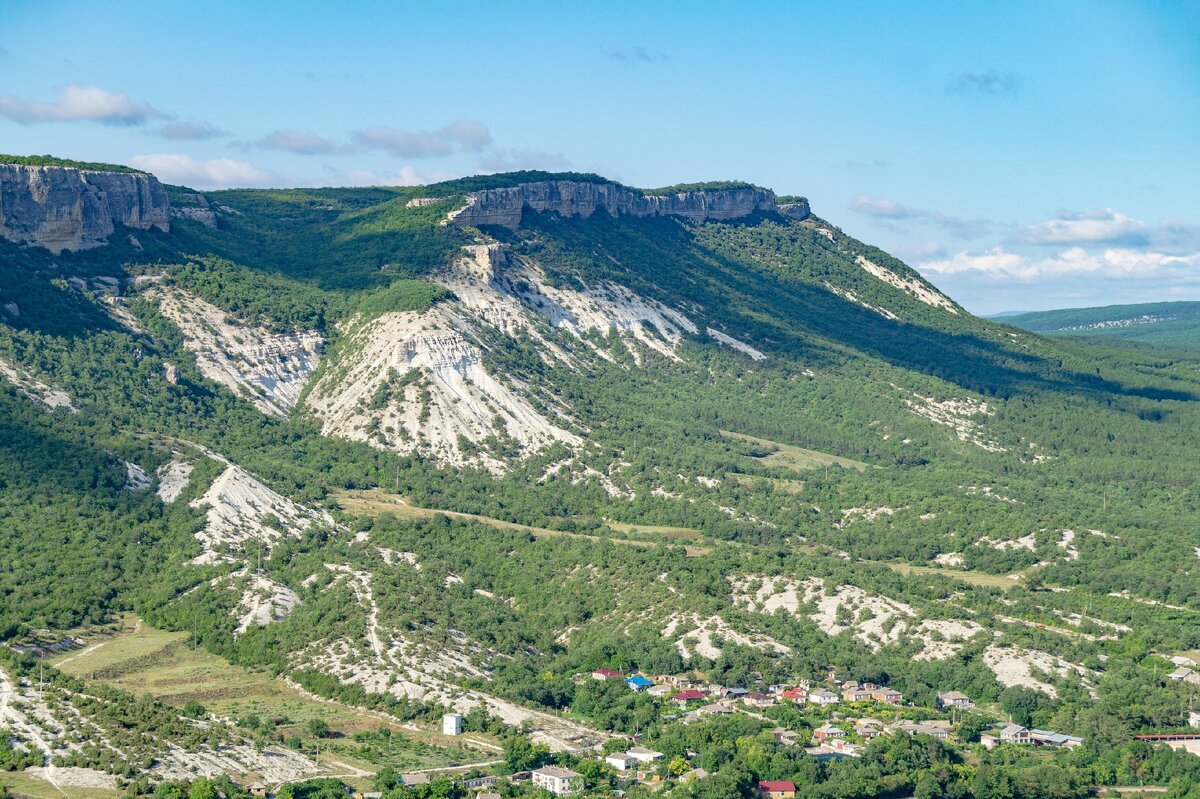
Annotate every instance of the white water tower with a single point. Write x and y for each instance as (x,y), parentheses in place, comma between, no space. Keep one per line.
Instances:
(452,724)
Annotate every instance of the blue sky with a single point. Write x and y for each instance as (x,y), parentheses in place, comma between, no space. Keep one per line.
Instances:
(1021,155)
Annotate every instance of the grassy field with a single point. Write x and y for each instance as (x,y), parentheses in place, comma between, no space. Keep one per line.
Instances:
(21,784)
(375,502)
(795,458)
(974,578)
(143,660)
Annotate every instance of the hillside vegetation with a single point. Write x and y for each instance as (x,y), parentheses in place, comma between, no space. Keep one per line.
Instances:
(408,466)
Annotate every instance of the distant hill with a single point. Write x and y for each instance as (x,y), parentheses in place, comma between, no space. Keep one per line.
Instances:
(1175,324)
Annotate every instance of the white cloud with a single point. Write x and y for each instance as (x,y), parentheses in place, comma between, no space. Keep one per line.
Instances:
(515,159)
(1114,262)
(1101,225)
(464,135)
(406,176)
(78,103)
(219,173)
(891,211)
(295,141)
(883,207)
(188,131)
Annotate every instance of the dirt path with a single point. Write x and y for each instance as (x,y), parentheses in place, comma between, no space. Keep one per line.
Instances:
(374,502)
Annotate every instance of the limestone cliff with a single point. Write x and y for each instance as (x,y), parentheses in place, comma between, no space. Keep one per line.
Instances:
(504,206)
(63,208)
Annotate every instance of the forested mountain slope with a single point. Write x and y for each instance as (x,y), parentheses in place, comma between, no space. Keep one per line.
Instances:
(710,431)
(1171,324)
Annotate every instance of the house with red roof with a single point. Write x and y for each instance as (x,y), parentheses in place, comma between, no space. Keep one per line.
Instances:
(681,698)
(604,674)
(777,789)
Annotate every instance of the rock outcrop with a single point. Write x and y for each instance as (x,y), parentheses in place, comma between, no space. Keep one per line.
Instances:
(63,208)
(504,206)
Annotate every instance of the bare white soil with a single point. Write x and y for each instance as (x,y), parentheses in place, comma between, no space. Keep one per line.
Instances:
(136,478)
(242,511)
(1016,666)
(73,777)
(263,601)
(35,389)
(268,368)
(917,288)
(846,294)
(173,477)
(959,415)
(696,636)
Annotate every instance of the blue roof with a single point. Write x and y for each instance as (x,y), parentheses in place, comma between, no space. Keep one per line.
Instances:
(638,679)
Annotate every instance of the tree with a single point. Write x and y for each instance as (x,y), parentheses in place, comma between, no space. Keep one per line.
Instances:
(317,728)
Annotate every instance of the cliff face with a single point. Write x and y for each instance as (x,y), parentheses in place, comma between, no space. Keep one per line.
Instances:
(569,198)
(63,208)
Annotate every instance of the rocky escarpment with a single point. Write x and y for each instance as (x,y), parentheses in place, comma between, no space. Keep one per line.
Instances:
(63,208)
(504,206)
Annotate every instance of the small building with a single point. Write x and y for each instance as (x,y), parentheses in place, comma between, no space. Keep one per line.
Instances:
(1182,660)
(1049,738)
(856,694)
(257,789)
(621,761)
(868,729)
(1184,674)
(714,709)
(638,683)
(786,737)
(921,728)
(693,775)
(777,789)
(488,795)
(475,783)
(660,690)
(604,674)
(681,698)
(887,695)
(558,781)
(826,732)
(415,778)
(452,724)
(1194,718)
(1011,734)
(797,695)
(954,700)
(643,755)
(758,699)
(822,697)
(736,692)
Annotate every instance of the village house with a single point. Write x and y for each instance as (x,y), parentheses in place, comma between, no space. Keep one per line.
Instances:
(694,774)
(736,692)
(758,699)
(1048,738)
(414,778)
(786,737)
(475,783)
(681,698)
(822,697)
(1194,718)
(714,709)
(797,695)
(621,761)
(488,796)
(939,731)
(954,700)
(868,728)
(827,732)
(604,674)
(643,755)
(856,693)
(777,789)
(1011,734)
(1184,674)
(638,683)
(558,781)
(660,690)
(887,695)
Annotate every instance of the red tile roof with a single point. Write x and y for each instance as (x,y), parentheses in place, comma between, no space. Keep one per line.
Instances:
(685,695)
(777,785)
